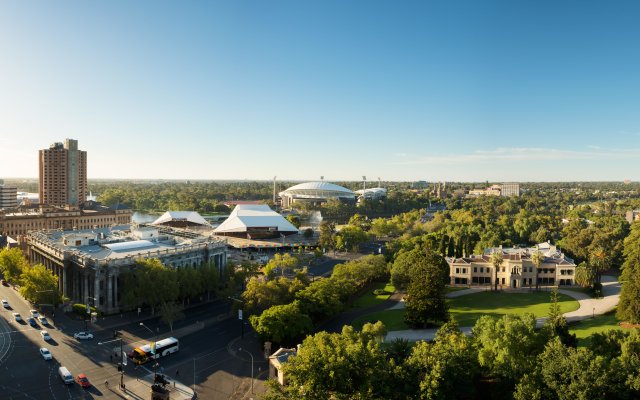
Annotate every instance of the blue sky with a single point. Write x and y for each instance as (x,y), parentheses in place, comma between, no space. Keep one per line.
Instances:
(426,90)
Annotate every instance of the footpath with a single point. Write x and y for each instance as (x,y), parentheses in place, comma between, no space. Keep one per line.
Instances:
(589,308)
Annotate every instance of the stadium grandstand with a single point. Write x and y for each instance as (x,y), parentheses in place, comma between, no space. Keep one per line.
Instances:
(316,193)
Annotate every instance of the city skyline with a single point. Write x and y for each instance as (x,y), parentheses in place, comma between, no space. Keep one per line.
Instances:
(471,91)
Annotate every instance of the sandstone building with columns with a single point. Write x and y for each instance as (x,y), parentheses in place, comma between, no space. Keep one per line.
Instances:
(88,263)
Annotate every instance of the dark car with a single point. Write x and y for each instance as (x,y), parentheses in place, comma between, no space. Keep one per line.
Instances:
(4,283)
(32,321)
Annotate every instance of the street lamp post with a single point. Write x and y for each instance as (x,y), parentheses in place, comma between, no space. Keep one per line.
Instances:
(121,362)
(154,347)
(240,316)
(88,310)
(251,355)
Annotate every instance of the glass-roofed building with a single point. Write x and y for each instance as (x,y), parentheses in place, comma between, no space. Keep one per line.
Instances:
(88,263)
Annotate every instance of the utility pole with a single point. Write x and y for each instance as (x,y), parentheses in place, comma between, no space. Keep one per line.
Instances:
(240,316)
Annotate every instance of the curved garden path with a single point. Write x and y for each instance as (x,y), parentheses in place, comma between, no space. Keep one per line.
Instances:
(589,307)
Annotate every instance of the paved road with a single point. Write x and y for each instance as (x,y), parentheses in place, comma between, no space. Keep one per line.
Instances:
(220,371)
(588,308)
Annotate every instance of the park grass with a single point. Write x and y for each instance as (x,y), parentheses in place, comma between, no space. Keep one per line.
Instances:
(369,299)
(393,320)
(602,323)
(467,309)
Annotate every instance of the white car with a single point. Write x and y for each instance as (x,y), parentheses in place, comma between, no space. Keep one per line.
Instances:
(43,320)
(34,313)
(45,353)
(17,316)
(5,303)
(45,335)
(83,335)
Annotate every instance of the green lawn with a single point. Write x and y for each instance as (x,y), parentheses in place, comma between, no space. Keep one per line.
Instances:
(392,319)
(467,309)
(585,328)
(369,299)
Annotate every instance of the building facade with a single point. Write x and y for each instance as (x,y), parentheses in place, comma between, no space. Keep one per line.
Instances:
(19,222)
(517,269)
(510,189)
(62,174)
(8,196)
(88,263)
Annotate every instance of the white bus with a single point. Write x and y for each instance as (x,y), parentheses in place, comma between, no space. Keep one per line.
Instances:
(153,351)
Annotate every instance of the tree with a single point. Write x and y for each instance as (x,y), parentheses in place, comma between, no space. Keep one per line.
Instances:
(496,261)
(327,235)
(508,347)
(294,220)
(171,312)
(12,264)
(350,237)
(402,268)
(585,275)
(39,285)
(320,299)
(556,323)
(261,295)
(283,324)
(346,365)
(537,258)
(445,367)
(425,301)
(629,305)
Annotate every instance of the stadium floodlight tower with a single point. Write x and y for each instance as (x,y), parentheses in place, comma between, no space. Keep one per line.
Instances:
(274,190)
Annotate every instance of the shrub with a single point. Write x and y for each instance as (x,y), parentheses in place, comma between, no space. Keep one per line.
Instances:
(81,309)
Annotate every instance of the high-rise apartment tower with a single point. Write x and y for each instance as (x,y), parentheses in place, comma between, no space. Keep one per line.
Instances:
(63,174)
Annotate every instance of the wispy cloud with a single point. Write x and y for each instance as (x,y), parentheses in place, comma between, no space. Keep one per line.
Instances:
(522,154)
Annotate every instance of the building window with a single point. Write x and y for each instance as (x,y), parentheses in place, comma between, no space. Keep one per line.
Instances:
(481,270)
(475,269)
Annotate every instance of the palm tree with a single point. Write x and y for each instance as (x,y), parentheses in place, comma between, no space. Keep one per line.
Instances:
(537,258)
(496,260)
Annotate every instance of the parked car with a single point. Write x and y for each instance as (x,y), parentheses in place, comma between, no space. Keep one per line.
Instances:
(32,321)
(83,335)
(5,303)
(45,353)
(83,381)
(45,335)
(4,283)
(17,316)
(43,320)
(34,313)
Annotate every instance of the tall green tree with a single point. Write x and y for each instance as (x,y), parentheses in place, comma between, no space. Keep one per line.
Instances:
(12,264)
(537,258)
(629,305)
(425,301)
(445,368)
(171,312)
(283,324)
(585,275)
(39,285)
(496,261)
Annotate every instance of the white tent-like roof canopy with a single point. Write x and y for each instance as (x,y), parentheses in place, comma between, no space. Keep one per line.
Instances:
(181,216)
(247,216)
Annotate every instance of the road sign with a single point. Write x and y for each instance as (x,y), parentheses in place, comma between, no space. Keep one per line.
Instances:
(240,314)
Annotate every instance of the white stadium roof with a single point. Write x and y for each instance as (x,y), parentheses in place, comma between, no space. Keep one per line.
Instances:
(317,189)
(188,216)
(254,215)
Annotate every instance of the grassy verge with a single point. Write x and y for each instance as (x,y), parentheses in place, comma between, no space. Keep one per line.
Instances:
(370,299)
(585,328)
(467,309)
(392,319)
